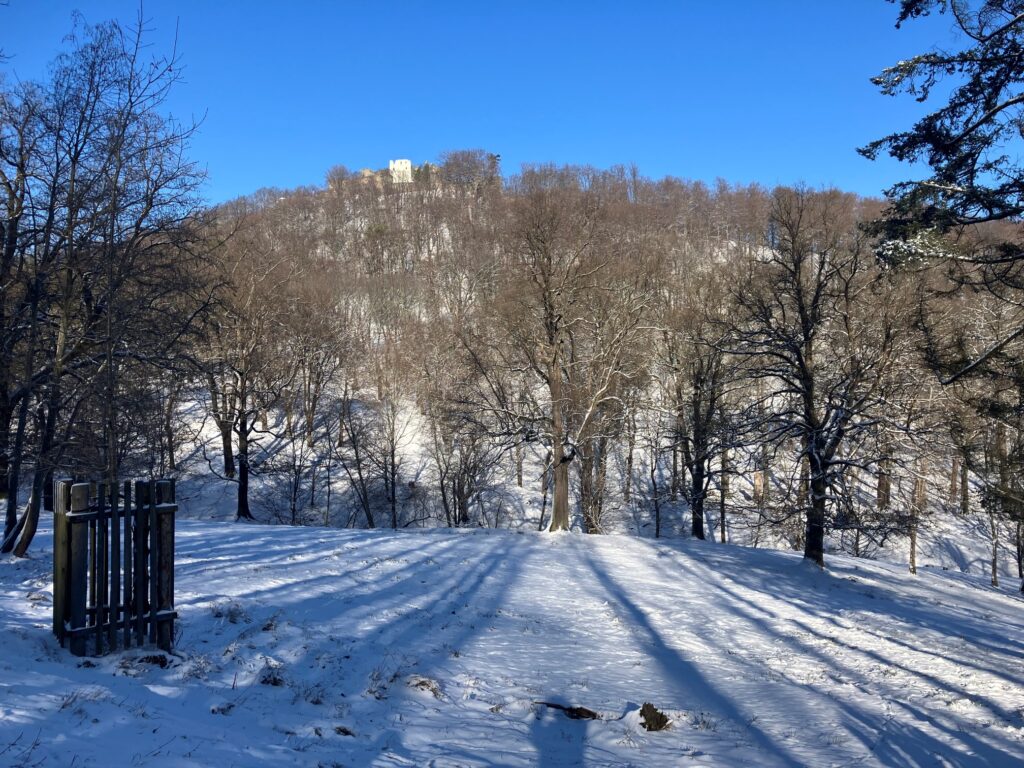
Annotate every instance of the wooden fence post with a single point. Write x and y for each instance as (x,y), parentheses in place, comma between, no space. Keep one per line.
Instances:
(61,555)
(154,553)
(101,571)
(140,589)
(78,591)
(164,575)
(115,565)
(129,557)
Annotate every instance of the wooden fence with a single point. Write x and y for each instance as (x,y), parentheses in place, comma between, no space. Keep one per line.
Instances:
(113,565)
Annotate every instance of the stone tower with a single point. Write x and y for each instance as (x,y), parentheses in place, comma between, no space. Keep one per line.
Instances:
(401,171)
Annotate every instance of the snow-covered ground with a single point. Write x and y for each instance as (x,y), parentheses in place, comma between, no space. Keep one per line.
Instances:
(322,647)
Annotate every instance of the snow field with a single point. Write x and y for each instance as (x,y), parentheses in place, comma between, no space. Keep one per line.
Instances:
(320,647)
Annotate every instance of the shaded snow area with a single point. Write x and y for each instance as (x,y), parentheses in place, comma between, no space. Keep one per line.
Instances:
(317,647)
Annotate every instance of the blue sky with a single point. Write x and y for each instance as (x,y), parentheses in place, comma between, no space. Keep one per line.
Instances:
(769,91)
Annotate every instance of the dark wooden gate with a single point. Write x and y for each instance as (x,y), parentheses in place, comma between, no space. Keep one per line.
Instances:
(113,565)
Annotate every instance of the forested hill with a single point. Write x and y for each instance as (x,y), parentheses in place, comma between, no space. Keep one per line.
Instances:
(443,348)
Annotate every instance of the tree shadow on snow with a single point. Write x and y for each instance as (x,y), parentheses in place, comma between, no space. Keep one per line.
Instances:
(681,672)
(756,596)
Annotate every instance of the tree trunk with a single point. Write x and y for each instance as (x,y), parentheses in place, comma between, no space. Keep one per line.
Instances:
(954,478)
(724,494)
(560,497)
(293,497)
(168,428)
(327,481)
(1020,550)
(994,527)
(225,423)
(28,531)
(172,464)
(655,493)
(587,492)
(762,480)
(917,507)
(243,511)
(313,467)
(461,495)
(31,522)
(600,481)
(393,482)
(965,501)
(289,414)
(913,546)
(17,454)
(560,469)
(673,492)
(14,475)
(544,486)
(445,502)
(310,416)
(883,494)
(814,537)
(6,415)
(228,449)
(697,500)
(630,447)
(803,484)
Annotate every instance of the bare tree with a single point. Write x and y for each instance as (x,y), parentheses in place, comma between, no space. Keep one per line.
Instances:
(576,296)
(817,329)
(98,200)
(247,366)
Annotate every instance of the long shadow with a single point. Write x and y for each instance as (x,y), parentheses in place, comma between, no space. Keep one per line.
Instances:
(334,585)
(915,747)
(957,659)
(789,584)
(467,592)
(465,587)
(758,618)
(820,613)
(686,676)
(467,582)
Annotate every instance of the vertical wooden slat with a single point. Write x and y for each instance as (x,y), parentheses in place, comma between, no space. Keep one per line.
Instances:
(60,558)
(66,505)
(154,554)
(101,566)
(104,585)
(165,566)
(115,566)
(91,616)
(128,557)
(78,590)
(141,538)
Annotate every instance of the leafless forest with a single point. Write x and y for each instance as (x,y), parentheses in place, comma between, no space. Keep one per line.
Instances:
(741,358)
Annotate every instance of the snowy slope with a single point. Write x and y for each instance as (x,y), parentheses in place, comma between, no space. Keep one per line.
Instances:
(946,539)
(318,647)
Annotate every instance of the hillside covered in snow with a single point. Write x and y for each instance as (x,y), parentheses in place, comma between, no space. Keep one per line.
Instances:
(322,647)
(475,465)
